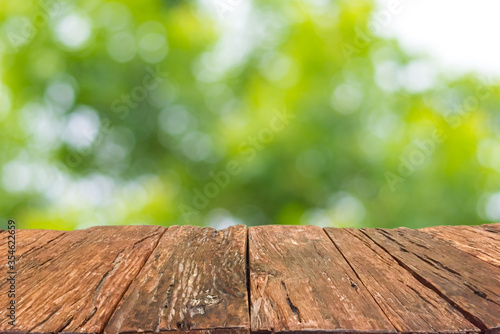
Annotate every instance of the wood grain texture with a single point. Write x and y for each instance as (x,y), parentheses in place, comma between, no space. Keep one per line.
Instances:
(470,239)
(194,281)
(28,241)
(303,279)
(410,306)
(469,284)
(70,282)
(493,228)
(300,282)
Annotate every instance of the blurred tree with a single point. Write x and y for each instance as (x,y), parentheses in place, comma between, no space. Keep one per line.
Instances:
(217,112)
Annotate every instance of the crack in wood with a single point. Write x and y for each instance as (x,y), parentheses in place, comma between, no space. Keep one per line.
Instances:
(103,278)
(42,246)
(91,314)
(66,324)
(46,319)
(146,238)
(353,284)
(436,264)
(294,308)
(168,297)
(480,293)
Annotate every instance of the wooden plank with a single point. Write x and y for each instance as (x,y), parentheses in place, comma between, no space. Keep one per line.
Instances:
(470,239)
(411,306)
(300,282)
(195,280)
(72,284)
(469,284)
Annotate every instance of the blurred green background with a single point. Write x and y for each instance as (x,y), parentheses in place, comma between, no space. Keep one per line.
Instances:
(220,112)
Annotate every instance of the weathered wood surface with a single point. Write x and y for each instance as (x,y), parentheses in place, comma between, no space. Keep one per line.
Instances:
(410,306)
(468,283)
(493,228)
(195,280)
(28,241)
(300,281)
(474,240)
(70,282)
(267,279)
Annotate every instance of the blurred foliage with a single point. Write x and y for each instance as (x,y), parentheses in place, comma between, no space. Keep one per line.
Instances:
(229,111)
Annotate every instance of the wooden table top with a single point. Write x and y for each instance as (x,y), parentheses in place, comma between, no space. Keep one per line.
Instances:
(276,278)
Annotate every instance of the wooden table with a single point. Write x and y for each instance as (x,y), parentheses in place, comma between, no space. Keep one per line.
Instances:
(287,279)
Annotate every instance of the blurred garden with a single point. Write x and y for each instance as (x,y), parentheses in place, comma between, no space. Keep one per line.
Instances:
(219,112)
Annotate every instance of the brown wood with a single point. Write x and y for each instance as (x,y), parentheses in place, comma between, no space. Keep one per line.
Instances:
(70,282)
(28,241)
(410,306)
(299,281)
(493,228)
(302,280)
(469,284)
(470,239)
(195,280)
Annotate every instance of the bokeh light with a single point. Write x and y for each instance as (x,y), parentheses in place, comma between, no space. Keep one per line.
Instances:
(212,112)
